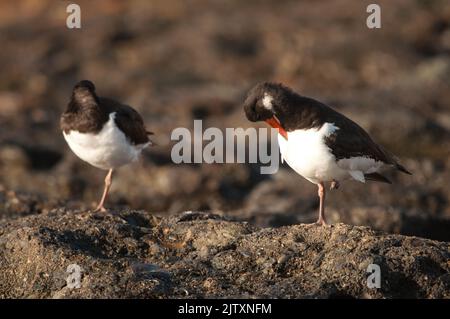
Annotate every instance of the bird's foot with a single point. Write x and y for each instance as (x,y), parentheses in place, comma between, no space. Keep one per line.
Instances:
(322,222)
(334,185)
(100,209)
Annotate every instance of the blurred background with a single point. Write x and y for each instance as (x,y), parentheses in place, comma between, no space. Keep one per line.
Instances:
(176,61)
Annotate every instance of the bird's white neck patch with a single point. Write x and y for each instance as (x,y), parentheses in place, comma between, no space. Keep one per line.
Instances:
(267,101)
(328,129)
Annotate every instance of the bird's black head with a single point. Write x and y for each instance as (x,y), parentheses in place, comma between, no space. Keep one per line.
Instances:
(84,85)
(83,95)
(268,102)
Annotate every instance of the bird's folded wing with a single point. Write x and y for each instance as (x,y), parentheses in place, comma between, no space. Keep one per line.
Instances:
(351,141)
(131,123)
(128,120)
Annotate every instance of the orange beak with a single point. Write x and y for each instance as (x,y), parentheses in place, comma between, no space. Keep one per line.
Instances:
(273,122)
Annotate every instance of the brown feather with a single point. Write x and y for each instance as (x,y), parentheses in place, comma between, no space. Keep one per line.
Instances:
(376,177)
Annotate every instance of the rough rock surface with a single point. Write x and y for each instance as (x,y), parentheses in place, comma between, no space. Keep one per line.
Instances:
(180,61)
(134,254)
(177,61)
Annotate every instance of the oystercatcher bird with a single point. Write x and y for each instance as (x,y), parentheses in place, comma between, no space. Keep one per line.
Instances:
(318,142)
(103,132)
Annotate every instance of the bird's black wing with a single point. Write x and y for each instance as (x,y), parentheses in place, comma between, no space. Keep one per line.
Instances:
(350,140)
(129,121)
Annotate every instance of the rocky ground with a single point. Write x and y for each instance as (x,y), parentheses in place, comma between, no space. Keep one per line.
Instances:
(133,254)
(176,61)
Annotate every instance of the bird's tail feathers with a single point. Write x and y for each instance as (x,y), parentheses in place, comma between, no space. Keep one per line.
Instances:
(377,178)
(402,169)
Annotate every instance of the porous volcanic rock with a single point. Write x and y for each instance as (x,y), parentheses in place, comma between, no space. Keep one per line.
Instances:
(134,254)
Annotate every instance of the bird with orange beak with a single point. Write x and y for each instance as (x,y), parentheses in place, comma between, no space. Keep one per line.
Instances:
(317,142)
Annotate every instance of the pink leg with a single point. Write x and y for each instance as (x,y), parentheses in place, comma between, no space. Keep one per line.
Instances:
(108,182)
(321,193)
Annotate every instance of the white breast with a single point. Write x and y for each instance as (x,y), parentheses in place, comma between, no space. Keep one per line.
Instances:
(306,152)
(107,149)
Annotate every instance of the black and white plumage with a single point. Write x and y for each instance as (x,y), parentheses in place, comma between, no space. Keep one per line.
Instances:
(316,141)
(102,132)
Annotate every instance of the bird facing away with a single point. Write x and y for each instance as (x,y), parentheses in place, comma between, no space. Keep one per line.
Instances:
(318,142)
(102,132)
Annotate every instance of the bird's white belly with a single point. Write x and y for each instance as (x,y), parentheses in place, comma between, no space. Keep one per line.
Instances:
(306,152)
(107,149)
